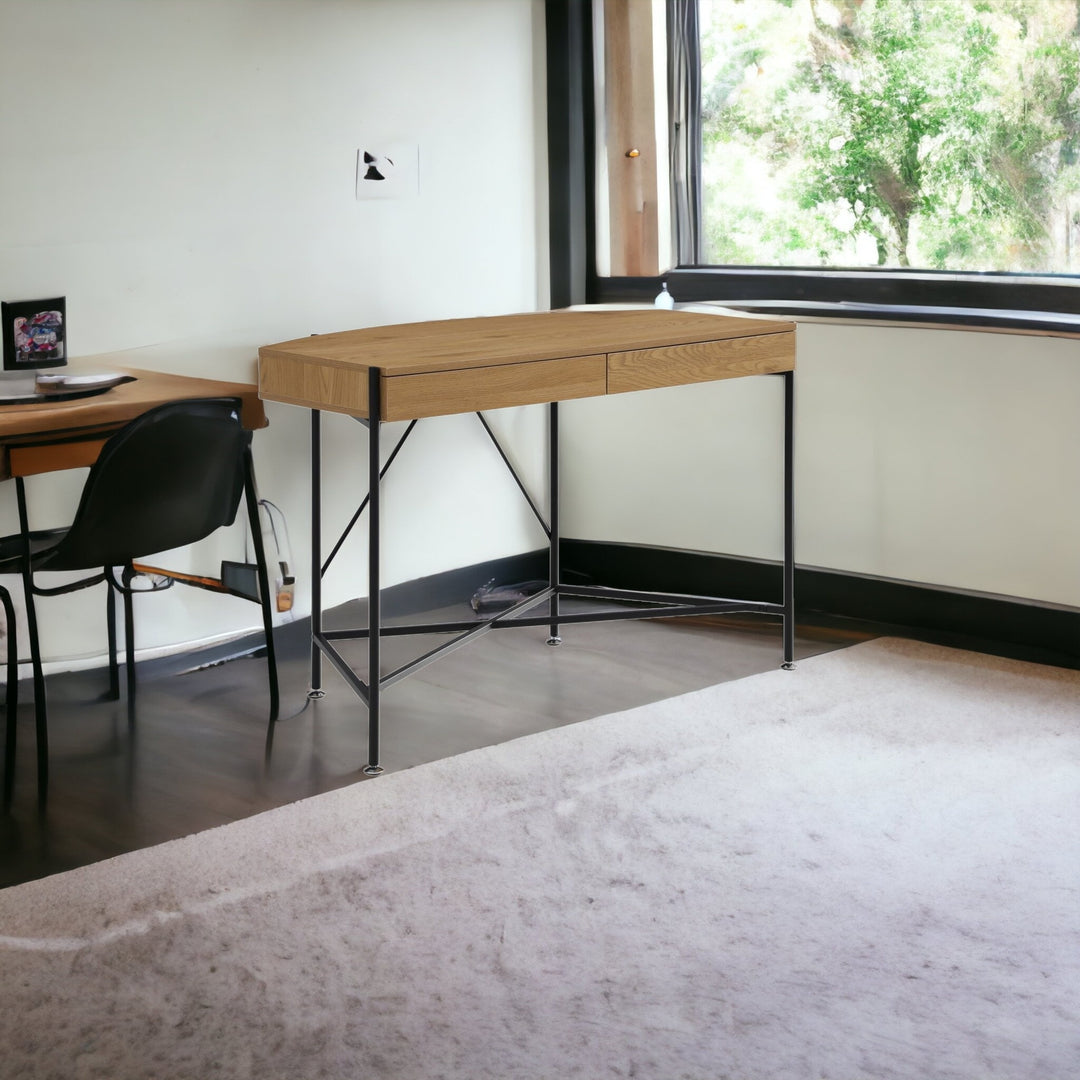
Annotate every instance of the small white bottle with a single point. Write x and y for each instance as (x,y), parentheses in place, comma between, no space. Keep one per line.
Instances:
(664,299)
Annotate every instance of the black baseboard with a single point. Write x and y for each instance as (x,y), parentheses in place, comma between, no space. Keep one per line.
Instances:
(827,599)
(1005,626)
(999,625)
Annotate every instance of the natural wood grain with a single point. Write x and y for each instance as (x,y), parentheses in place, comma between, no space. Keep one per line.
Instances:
(450,344)
(37,429)
(677,365)
(53,457)
(406,397)
(630,119)
(125,402)
(314,383)
(329,371)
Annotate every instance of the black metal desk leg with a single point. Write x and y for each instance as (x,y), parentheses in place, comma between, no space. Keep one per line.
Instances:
(316,690)
(789,521)
(553,549)
(374,588)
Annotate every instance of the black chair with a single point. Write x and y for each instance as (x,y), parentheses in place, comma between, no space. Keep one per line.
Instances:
(11,698)
(166,480)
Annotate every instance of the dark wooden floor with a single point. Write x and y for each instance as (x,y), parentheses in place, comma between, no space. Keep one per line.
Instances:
(194,757)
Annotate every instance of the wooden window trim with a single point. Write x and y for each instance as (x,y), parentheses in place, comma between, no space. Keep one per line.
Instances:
(1016,302)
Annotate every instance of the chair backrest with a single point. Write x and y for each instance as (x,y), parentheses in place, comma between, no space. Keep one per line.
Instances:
(169,478)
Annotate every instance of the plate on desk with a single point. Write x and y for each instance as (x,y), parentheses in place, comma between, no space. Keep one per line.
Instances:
(27,389)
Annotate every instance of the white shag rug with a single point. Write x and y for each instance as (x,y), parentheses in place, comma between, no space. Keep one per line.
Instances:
(865,869)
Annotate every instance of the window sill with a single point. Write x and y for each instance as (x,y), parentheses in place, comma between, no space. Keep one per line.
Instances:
(1004,303)
(1051,324)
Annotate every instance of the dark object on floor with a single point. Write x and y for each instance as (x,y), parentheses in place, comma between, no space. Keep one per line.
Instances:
(492,597)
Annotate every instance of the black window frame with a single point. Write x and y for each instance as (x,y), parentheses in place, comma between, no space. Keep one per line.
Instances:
(1046,303)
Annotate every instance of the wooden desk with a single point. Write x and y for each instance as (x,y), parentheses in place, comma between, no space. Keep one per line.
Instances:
(412,371)
(48,436)
(53,435)
(467,365)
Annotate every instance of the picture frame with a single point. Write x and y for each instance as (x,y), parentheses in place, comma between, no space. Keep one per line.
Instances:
(34,333)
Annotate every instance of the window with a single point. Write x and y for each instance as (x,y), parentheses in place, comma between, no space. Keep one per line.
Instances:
(869,157)
(933,134)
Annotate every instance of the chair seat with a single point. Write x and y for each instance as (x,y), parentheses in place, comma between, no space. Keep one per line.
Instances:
(42,542)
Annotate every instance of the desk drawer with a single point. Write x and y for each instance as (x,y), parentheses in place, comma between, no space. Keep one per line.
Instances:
(442,393)
(705,361)
(53,457)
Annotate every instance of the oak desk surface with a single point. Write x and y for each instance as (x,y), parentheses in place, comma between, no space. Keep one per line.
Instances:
(51,435)
(467,365)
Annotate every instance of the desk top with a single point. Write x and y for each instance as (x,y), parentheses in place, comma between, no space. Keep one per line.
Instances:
(463,365)
(120,404)
(49,435)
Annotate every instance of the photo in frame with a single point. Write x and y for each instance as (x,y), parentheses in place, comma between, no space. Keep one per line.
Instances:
(34,333)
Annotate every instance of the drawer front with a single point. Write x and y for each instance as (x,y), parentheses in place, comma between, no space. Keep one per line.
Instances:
(314,384)
(442,393)
(53,457)
(676,365)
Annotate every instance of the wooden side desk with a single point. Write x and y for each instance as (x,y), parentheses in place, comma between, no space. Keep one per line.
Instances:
(417,370)
(49,436)
(53,435)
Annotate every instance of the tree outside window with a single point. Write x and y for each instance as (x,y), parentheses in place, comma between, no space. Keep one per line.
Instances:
(934,134)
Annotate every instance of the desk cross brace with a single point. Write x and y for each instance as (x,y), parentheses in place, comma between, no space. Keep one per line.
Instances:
(650,605)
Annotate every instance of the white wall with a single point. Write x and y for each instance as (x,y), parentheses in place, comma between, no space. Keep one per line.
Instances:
(939,456)
(183,171)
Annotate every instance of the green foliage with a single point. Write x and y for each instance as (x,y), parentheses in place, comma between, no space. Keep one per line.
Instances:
(934,133)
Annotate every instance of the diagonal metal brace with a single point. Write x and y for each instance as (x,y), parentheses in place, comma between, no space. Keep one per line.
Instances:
(517,479)
(344,669)
(471,633)
(363,505)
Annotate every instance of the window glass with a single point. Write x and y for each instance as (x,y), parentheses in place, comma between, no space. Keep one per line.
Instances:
(930,134)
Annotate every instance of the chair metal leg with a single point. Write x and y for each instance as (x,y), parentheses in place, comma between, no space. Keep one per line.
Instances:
(264,582)
(110,619)
(11,702)
(41,717)
(129,636)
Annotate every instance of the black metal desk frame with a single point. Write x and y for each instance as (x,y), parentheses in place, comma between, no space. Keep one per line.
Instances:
(652,605)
